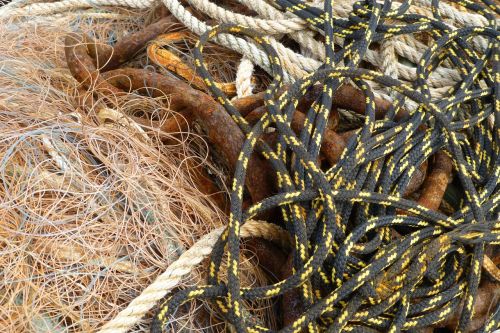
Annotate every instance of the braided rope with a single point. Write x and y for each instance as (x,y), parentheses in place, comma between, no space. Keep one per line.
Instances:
(165,282)
(352,274)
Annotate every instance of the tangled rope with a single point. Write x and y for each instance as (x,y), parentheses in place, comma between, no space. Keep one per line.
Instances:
(367,259)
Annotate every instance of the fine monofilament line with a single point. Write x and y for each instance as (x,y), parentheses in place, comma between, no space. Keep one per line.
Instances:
(366,258)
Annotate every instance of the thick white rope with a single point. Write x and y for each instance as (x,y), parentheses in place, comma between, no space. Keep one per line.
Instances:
(297,65)
(268,27)
(455,15)
(305,38)
(243,82)
(165,282)
(13,5)
(410,48)
(389,61)
(47,8)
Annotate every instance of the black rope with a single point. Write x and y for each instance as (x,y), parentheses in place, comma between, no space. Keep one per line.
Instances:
(354,276)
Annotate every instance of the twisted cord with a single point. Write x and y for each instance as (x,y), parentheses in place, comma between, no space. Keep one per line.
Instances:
(268,27)
(244,85)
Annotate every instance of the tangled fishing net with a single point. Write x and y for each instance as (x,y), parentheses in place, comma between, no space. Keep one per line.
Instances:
(360,142)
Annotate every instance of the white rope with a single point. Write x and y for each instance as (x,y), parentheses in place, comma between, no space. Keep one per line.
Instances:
(305,38)
(244,85)
(461,18)
(47,8)
(13,5)
(165,282)
(293,63)
(269,27)
(237,44)
(389,61)
(455,15)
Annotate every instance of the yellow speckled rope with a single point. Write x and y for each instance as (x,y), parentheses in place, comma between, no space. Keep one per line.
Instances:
(392,284)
